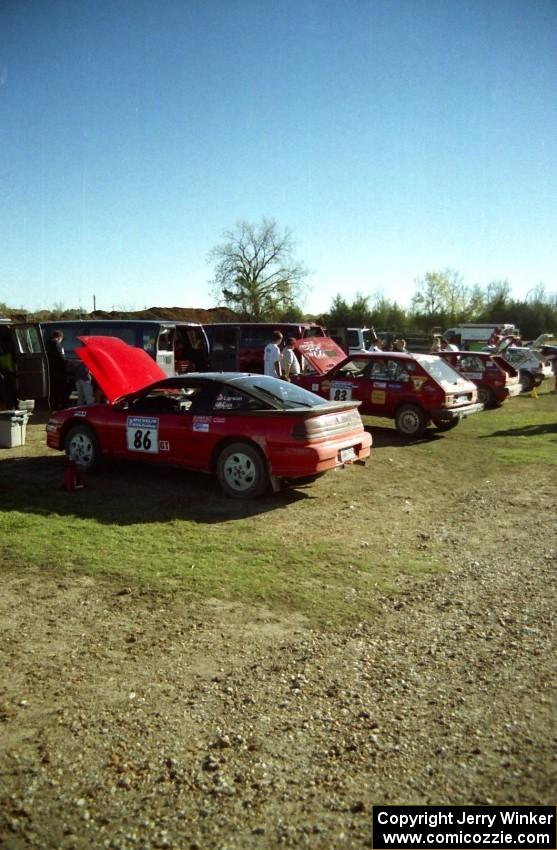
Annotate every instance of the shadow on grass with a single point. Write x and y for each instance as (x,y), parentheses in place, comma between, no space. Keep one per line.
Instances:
(390,438)
(126,494)
(525,431)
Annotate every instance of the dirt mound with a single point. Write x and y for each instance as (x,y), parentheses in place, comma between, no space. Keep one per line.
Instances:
(178,314)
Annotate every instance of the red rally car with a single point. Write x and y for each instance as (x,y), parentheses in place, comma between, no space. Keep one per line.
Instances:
(253,431)
(412,389)
(495,379)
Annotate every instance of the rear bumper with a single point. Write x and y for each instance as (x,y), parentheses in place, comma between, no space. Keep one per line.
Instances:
(449,414)
(514,389)
(310,459)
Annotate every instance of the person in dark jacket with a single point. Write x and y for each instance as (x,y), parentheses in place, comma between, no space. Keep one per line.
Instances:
(8,393)
(58,369)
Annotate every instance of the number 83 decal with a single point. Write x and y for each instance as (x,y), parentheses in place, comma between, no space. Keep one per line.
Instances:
(340,393)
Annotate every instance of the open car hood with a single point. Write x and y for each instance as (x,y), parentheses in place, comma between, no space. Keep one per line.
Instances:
(540,341)
(118,368)
(320,352)
(536,345)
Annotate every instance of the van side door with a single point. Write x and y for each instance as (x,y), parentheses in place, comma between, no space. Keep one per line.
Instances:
(164,354)
(224,345)
(31,372)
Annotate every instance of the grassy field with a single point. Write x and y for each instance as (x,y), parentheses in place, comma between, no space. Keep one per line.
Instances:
(325,553)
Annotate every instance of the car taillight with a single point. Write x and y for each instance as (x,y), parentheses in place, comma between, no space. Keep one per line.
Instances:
(327,426)
(304,431)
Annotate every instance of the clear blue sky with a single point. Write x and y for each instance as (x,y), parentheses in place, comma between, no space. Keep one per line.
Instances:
(392,137)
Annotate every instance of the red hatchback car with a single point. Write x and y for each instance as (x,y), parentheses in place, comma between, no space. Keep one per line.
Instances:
(495,379)
(253,431)
(412,389)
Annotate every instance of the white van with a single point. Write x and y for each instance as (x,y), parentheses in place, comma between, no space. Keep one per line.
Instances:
(474,337)
(352,340)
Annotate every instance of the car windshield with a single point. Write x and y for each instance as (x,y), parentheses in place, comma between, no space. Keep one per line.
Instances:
(282,393)
(438,368)
(354,367)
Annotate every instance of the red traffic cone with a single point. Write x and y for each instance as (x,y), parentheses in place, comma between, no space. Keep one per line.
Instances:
(72,478)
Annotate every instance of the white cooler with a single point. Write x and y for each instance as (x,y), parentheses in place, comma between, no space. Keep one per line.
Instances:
(13,425)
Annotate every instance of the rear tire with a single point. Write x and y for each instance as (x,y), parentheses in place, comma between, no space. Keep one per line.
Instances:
(410,421)
(486,396)
(82,447)
(242,471)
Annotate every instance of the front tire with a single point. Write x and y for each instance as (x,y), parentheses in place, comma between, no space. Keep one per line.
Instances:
(82,447)
(410,421)
(242,471)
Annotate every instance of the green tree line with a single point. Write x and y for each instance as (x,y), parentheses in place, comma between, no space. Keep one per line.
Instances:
(257,278)
(442,300)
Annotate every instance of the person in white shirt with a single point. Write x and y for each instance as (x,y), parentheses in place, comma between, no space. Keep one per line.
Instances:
(288,361)
(272,356)
(448,346)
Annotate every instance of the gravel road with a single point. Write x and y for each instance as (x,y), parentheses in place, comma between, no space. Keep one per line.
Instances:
(130,720)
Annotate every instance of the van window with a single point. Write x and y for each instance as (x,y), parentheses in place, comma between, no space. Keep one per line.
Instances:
(166,340)
(149,341)
(126,334)
(28,341)
(193,336)
(353,338)
(256,337)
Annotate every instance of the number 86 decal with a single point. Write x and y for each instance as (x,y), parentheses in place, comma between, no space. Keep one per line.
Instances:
(142,434)
(142,440)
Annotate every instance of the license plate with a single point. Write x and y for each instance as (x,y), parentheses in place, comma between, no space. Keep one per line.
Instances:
(347,454)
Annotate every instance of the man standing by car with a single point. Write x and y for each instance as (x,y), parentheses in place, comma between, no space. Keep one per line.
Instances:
(8,394)
(272,356)
(448,346)
(57,366)
(289,362)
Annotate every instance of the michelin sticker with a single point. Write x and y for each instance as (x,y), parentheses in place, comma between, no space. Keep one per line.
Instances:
(142,434)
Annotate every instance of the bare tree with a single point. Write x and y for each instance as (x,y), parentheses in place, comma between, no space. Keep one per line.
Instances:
(255,273)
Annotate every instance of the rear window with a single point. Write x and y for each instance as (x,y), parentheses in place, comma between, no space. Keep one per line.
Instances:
(280,393)
(471,363)
(230,398)
(438,368)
